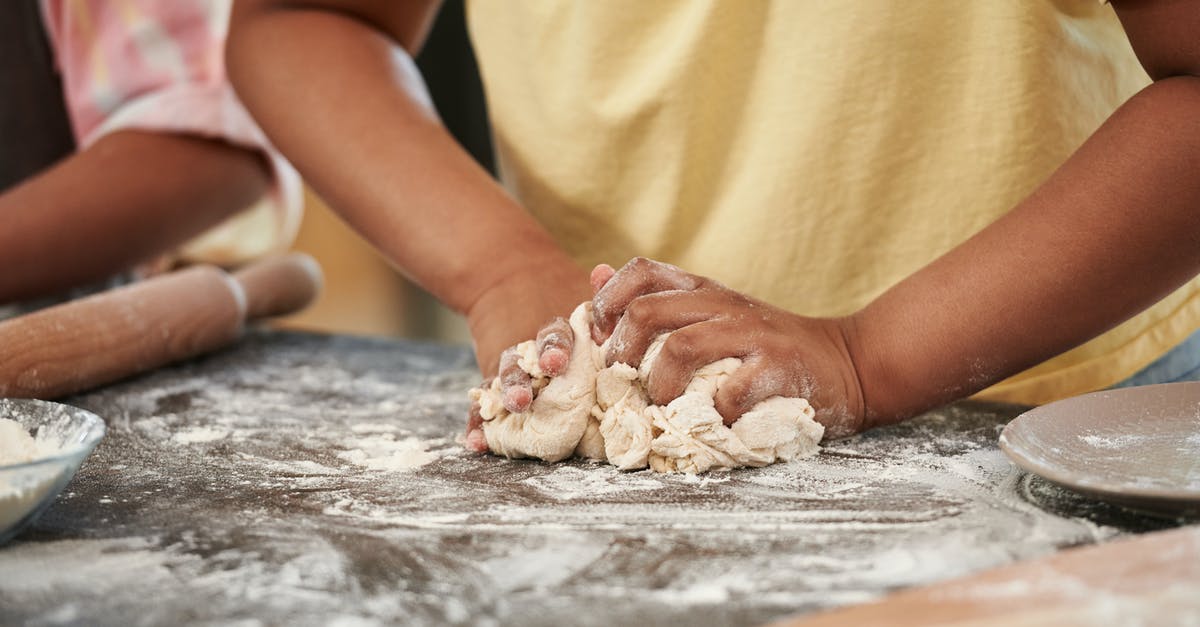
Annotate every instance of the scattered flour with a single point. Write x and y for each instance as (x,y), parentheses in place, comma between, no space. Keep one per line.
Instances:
(542,568)
(199,435)
(385,452)
(1111,442)
(568,483)
(68,566)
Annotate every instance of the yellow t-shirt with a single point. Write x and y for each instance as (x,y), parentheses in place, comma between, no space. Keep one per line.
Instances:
(807,152)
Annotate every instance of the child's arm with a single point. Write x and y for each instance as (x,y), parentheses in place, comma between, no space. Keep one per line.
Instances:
(1115,229)
(123,200)
(333,84)
(167,152)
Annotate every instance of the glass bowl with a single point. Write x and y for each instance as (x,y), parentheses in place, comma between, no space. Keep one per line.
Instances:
(27,489)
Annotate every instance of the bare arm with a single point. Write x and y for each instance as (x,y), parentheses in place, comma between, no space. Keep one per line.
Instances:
(334,85)
(1113,230)
(124,200)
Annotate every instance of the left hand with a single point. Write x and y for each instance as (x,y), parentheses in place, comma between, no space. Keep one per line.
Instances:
(783,354)
(506,315)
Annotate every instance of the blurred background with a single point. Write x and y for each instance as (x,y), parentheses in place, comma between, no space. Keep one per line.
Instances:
(363,294)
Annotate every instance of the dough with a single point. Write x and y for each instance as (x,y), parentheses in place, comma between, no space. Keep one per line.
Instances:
(604,414)
(557,420)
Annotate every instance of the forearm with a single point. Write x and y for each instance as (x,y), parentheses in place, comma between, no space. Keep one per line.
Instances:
(1115,229)
(344,101)
(126,199)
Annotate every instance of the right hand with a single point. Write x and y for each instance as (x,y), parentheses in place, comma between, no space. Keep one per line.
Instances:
(505,316)
(783,354)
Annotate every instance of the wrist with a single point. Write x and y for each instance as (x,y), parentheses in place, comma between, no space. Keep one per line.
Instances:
(846,413)
(519,302)
(883,369)
(550,276)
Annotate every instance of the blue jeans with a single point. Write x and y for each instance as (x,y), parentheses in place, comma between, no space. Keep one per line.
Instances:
(1181,363)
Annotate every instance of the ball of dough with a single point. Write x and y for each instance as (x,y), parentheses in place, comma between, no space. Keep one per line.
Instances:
(605,414)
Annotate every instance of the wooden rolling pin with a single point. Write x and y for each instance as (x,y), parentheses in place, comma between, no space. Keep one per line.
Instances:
(96,340)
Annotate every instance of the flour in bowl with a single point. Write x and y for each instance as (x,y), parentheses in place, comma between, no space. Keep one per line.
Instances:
(18,447)
(21,490)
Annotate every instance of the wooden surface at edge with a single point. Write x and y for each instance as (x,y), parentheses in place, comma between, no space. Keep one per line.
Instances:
(1155,576)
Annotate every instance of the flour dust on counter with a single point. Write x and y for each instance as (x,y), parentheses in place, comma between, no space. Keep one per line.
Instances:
(283,518)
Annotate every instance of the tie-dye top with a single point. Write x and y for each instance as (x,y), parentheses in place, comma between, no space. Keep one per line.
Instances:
(157,65)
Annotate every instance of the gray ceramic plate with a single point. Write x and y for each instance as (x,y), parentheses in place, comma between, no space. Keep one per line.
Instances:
(1138,447)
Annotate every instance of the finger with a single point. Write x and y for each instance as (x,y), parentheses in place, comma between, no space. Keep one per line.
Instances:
(749,385)
(515,384)
(600,275)
(475,439)
(637,278)
(690,349)
(554,343)
(651,315)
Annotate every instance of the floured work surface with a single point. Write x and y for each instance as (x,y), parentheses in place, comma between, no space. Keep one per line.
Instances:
(303,479)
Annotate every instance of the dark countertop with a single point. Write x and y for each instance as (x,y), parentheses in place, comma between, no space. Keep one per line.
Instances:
(268,483)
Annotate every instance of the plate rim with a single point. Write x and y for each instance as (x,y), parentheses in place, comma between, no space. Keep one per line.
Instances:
(1181,498)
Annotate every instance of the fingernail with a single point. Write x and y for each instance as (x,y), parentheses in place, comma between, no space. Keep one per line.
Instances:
(517,399)
(553,361)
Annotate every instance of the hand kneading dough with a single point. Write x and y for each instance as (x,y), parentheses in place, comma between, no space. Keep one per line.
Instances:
(604,414)
(558,419)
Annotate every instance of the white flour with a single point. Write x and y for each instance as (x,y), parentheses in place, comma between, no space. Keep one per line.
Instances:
(18,447)
(199,434)
(22,489)
(1112,442)
(385,452)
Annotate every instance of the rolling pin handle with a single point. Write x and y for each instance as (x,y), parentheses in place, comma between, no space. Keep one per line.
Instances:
(279,286)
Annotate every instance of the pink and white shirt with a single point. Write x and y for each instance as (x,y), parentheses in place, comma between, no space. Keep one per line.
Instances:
(157,65)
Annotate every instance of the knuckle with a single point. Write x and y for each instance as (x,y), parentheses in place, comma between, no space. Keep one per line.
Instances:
(612,356)
(552,339)
(659,387)
(562,335)
(643,272)
(679,347)
(740,392)
(639,263)
(508,362)
(604,313)
(623,346)
(640,313)
(670,381)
